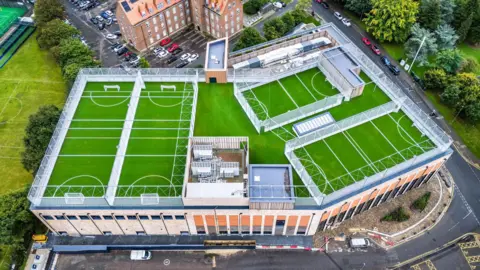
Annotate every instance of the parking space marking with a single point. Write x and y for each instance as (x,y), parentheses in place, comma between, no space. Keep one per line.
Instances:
(203,44)
(200,36)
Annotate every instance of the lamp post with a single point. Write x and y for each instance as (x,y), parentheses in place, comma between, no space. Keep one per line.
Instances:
(418,51)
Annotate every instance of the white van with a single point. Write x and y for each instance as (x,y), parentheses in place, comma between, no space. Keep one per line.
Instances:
(140,255)
(359,242)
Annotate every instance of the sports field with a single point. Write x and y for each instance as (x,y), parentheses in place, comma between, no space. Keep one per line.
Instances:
(7,16)
(289,93)
(156,151)
(362,151)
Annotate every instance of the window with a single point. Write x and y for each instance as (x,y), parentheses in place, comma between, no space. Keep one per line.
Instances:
(95,217)
(238,10)
(238,26)
(176,26)
(169,1)
(107,217)
(83,217)
(59,217)
(154,20)
(48,217)
(238,19)
(167,217)
(233,30)
(155,217)
(174,10)
(141,233)
(170,29)
(222,232)
(156,28)
(150,10)
(63,233)
(184,233)
(183,22)
(107,233)
(257,232)
(158,36)
(188,11)
(179,217)
(267,232)
(147,24)
(175,18)
(226,19)
(143,217)
(120,217)
(160,6)
(164,32)
(161,17)
(168,13)
(234,232)
(72,217)
(200,232)
(134,217)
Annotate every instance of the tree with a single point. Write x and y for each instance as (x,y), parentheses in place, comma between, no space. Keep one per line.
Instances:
(447,8)
(451,95)
(299,16)
(429,14)
(143,63)
(413,44)
(70,71)
(47,10)
(359,7)
(464,8)
(446,37)
(474,33)
(391,20)
(37,136)
(472,112)
(288,20)
(55,31)
(279,25)
(435,79)
(304,5)
(72,48)
(469,65)
(464,28)
(253,6)
(249,37)
(270,32)
(450,60)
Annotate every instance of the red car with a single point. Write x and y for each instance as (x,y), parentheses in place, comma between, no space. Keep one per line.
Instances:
(366,41)
(375,49)
(173,47)
(319,1)
(165,41)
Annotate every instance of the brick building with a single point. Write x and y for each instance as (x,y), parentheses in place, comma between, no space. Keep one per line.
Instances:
(144,23)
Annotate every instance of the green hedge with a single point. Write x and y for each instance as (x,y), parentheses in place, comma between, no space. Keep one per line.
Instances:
(397,215)
(422,202)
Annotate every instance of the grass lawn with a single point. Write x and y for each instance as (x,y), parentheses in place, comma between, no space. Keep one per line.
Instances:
(469,133)
(29,80)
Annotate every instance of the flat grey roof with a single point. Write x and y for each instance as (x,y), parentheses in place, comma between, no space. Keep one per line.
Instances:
(345,64)
(271,183)
(216,49)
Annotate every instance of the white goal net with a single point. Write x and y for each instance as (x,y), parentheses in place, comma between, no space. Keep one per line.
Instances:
(107,87)
(168,87)
(74,198)
(149,198)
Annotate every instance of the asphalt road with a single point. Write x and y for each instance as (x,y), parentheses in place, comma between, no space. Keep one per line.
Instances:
(462,215)
(251,259)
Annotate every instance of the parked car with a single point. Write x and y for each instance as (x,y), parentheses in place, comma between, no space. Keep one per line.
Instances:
(346,22)
(177,51)
(122,51)
(127,54)
(375,49)
(101,26)
(193,57)
(111,36)
(338,15)
(117,33)
(171,59)
(165,41)
(417,80)
(359,242)
(366,41)
(325,5)
(140,255)
(109,13)
(94,20)
(277,5)
(115,45)
(185,56)
(385,60)
(181,64)
(394,69)
(134,60)
(104,15)
(162,54)
(116,49)
(283,3)
(131,56)
(99,18)
(173,47)
(109,22)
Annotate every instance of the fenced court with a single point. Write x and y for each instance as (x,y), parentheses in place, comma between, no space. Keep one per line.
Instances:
(289,93)
(352,155)
(8,16)
(155,155)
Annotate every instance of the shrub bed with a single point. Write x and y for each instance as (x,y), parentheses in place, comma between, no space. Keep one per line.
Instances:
(397,215)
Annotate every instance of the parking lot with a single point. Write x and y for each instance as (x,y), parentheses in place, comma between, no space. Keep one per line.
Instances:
(100,36)
(190,41)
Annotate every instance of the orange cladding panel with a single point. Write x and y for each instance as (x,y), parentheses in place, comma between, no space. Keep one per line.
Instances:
(304,220)
(222,220)
(233,220)
(198,220)
(292,221)
(257,220)
(210,219)
(268,221)
(245,220)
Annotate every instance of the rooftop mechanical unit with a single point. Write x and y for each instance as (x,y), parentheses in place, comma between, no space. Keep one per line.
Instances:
(202,151)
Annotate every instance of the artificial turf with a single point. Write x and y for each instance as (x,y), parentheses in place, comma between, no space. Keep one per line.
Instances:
(289,93)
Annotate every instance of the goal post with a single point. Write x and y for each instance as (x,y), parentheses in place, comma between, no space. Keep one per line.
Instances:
(149,199)
(167,87)
(74,198)
(107,87)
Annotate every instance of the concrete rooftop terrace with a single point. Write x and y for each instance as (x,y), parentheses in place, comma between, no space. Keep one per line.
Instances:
(216,54)
(344,64)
